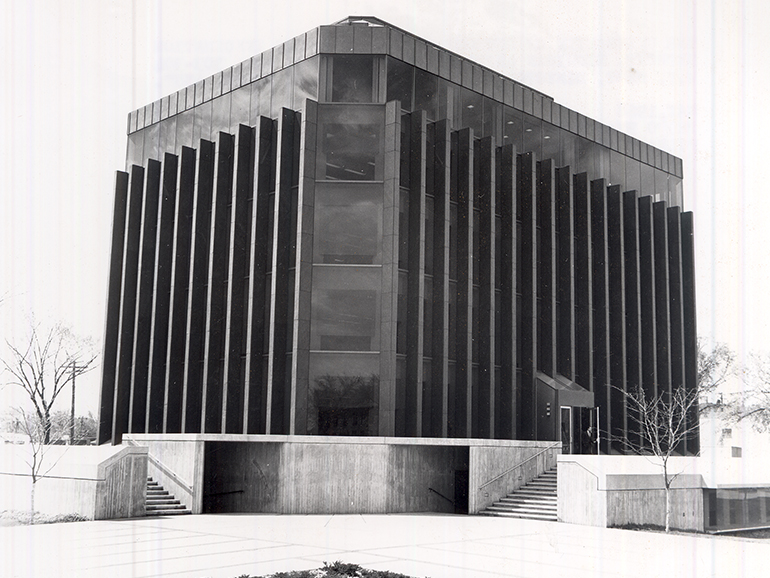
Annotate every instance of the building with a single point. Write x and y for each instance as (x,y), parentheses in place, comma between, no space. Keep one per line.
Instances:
(360,233)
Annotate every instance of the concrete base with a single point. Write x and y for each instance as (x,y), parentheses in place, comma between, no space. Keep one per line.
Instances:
(621,491)
(98,483)
(212,473)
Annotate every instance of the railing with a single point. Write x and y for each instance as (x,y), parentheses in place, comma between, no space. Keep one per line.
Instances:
(442,495)
(178,480)
(509,470)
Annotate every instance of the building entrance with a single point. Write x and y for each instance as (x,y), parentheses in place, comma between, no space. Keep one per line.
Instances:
(578,430)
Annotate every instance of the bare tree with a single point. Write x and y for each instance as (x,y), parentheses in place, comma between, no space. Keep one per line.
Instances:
(716,365)
(754,401)
(663,424)
(34,453)
(43,366)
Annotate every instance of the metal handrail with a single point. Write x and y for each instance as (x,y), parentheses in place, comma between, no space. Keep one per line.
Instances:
(163,468)
(442,495)
(509,470)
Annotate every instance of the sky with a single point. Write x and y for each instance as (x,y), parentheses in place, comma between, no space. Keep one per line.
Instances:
(689,77)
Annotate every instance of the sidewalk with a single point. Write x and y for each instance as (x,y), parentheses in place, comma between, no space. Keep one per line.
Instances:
(437,546)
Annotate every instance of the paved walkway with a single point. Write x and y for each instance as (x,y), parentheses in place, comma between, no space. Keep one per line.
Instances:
(227,546)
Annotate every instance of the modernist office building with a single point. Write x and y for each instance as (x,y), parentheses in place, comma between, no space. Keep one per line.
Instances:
(358,232)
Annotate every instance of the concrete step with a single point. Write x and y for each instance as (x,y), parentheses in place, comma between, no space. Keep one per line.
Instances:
(527,500)
(535,493)
(155,507)
(500,507)
(160,502)
(542,517)
(526,509)
(170,501)
(537,500)
(168,512)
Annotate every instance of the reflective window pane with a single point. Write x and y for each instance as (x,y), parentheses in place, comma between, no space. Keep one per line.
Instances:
(343,396)
(400,83)
(348,224)
(426,93)
(532,136)
(352,78)
(260,99)
(220,114)
(551,147)
(239,107)
(282,91)
(305,82)
(345,309)
(349,144)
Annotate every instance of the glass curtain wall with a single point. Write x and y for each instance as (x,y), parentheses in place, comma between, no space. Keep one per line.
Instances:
(347,270)
(420,90)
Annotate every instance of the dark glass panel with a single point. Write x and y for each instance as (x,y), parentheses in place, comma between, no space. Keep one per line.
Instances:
(498,252)
(403,229)
(343,395)
(401,313)
(266,325)
(675,184)
(426,93)
(429,235)
(661,183)
(345,309)
(400,83)
(453,241)
(168,135)
(349,142)
(220,114)
(152,142)
(476,326)
(532,136)
(602,162)
(452,353)
(282,91)
(469,110)
(202,126)
(633,175)
(305,82)
(648,180)
(240,107)
(617,169)
(585,157)
(492,121)
(135,148)
(428,317)
(551,145)
(352,78)
(569,150)
(260,99)
(348,224)
(476,224)
(184,130)
(445,98)
(512,126)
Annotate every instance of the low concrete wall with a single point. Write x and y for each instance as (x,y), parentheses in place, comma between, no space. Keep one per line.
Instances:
(98,483)
(328,475)
(612,491)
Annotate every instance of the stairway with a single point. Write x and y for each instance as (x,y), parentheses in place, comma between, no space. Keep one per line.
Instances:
(533,501)
(159,502)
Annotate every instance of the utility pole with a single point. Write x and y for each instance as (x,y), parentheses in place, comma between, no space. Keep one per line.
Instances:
(75,369)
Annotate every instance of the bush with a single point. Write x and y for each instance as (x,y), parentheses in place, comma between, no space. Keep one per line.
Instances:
(336,569)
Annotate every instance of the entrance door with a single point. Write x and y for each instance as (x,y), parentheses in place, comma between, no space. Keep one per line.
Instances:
(566,430)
